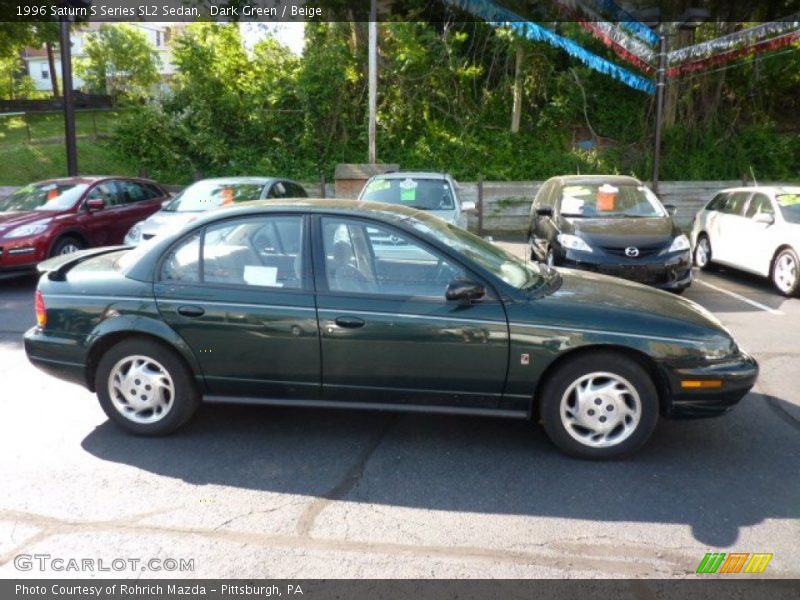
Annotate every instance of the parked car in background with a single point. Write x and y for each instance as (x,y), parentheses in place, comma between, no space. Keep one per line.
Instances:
(436,193)
(59,216)
(229,309)
(756,229)
(609,224)
(206,194)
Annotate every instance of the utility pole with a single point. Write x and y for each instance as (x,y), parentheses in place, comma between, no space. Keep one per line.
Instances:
(69,100)
(660,89)
(373,79)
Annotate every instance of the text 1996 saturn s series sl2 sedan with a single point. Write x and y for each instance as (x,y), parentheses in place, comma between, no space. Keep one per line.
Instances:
(304,304)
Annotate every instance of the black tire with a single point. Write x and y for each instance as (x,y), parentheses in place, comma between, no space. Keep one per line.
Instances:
(788,286)
(678,291)
(183,402)
(66,245)
(704,263)
(621,368)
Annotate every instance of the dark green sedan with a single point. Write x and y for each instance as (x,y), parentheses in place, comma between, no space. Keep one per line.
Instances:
(357,305)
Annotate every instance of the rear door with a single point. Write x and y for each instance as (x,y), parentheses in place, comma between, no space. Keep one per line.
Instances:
(730,226)
(138,201)
(756,246)
(389,335)
(239,293)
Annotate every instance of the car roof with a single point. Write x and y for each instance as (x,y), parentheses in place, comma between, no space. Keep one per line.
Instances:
(242,179)
(764,189)
(595,179)
(412,175)
(389,212)
(89,179)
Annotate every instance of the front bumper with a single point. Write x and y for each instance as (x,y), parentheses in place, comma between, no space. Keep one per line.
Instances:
(19,256)
(738,375)
(59,356)
(670,272)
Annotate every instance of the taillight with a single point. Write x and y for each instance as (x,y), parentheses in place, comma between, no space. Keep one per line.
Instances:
(41,309)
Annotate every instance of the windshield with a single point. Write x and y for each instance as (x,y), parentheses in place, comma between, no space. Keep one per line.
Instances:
(205,195)
(514,271)
(44,196)
(602,201)
(790,207)
(423,194)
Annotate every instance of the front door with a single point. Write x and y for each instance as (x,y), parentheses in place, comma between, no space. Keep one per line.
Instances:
(239,293)
(389,335)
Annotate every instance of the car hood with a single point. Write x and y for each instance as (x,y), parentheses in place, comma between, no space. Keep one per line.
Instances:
(10,220)
(622,231)
(595,301)
(164,221)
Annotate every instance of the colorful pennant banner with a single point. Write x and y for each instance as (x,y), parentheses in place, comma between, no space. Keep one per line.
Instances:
(501,17)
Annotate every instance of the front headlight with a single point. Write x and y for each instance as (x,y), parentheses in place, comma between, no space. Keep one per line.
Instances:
(679,244)
(573,242)
(134,235)
(721,347)
(26,230)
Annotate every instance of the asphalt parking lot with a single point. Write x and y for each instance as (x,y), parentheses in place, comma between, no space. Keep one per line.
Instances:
(275,492)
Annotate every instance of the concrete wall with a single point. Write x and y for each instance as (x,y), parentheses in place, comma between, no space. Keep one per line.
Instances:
(506,205)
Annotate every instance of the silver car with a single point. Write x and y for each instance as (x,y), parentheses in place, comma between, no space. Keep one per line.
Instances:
(756,229)
(207,194)
(436,193)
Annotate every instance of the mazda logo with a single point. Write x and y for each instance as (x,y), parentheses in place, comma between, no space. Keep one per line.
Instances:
(631,251)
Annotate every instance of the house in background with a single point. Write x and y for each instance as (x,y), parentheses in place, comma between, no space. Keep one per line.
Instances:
(160,36)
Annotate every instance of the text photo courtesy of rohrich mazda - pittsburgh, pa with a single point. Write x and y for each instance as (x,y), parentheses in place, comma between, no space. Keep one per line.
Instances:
(423,299)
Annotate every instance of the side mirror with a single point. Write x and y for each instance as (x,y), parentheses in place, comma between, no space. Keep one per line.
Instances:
(95,204)
(671,209)
(462,289)
(468,206)
(545,211)
(765,218)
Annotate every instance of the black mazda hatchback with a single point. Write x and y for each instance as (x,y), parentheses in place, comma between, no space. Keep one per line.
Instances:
(609,224)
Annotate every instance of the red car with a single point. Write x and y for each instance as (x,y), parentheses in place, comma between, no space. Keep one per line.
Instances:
(59,216)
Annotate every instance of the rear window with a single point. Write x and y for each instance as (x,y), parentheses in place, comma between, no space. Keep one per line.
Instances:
(205,195)
(423,194)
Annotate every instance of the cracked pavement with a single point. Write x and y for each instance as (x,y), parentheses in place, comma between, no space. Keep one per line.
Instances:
(254,492)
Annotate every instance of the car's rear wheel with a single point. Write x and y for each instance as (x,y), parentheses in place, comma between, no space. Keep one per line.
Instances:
(702,252)
(145,388)
(66,245)
(600,405)
(786,272)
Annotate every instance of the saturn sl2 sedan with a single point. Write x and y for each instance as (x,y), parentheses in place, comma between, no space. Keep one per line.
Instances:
(295,304)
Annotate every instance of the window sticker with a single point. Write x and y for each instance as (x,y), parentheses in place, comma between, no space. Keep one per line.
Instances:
(606,197)
(379,185)
(266,276)
(789,199)
(227,196)
(52,195)
(408,195)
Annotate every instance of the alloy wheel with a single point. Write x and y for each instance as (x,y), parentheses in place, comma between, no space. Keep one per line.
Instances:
(785,273)
(141,389)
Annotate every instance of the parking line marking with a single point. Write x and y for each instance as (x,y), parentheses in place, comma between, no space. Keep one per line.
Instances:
(740,297)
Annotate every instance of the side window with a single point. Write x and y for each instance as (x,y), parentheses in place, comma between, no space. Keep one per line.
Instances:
(735,203)
(107,191)
(154,191)
(182,264)
(760,204)
(542,198)
(718,202)
(131,192)
(263,252)
(373,259)
(295,190)
(278,190)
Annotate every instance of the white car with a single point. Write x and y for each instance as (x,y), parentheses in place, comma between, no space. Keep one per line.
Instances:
(755,229)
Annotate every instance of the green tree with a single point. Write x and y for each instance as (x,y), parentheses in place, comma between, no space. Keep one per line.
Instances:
(119,60)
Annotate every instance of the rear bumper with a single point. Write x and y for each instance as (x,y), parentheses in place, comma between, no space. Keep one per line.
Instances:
(60,357)
(738,375)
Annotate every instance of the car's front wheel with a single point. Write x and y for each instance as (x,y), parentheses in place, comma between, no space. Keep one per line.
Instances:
(786,273)
(66,245)
(599,405)
(145,388)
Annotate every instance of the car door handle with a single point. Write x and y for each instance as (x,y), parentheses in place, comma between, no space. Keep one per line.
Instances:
(349,322)
(191,311)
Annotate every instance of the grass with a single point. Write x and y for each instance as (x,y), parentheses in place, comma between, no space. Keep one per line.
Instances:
(43,155)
